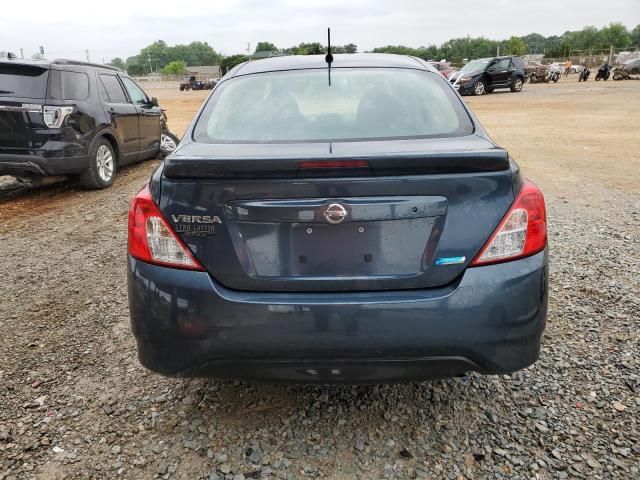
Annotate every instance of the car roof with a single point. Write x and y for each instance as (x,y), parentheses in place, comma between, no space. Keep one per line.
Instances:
(502,57)
(57,61)
(348,60)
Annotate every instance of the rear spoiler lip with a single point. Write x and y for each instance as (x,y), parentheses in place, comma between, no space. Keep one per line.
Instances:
(441,162)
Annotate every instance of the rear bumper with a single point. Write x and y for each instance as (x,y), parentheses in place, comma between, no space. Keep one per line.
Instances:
(490,321)
(38,164)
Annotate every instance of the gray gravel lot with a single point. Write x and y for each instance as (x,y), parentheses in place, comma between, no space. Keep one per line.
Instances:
(75,403)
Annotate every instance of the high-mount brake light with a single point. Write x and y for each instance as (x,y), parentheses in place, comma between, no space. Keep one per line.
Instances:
(334,164)
(151,238)
(521,233)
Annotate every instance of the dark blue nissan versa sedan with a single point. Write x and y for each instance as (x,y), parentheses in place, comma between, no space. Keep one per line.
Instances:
(352,224)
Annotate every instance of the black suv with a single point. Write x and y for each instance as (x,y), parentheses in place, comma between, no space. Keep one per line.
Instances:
(64,117)
(486,74)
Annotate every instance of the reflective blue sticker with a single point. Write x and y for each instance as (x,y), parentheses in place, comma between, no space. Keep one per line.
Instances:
(450,260)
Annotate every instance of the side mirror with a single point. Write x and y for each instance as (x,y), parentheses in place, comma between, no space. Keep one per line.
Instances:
(154,101)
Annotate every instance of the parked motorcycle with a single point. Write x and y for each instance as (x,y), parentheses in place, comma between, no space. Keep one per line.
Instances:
(584,74)
(168,140)
(603,72)
(621,74)
(554,74)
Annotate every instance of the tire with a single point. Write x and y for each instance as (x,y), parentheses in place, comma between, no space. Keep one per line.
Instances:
(182,88)
(598,77)
(167,139)
(517,84)
(617,76)
(102,167)
(533,78)
(479,88)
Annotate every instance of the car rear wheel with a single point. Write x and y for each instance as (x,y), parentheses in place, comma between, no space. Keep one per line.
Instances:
(102,167)
(516,86)
(479,88)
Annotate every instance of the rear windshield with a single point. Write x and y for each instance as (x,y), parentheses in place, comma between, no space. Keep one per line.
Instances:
(23,81)
(360,104)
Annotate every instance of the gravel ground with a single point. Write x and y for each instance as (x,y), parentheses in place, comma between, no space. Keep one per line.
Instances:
(76,404)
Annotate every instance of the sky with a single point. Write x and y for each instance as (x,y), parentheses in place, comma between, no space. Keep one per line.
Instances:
(120,28)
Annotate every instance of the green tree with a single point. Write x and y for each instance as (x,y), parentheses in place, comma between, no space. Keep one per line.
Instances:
(200,53)
(586,39)
(228,63)
(135,70)
(635,36)
(154,56)
(176,67)
(457,49)
(397,49)
(350,48)
(118,63)
(615,34)
(535,42)
(314,48)
(133,66)
(265,47)
(516,46)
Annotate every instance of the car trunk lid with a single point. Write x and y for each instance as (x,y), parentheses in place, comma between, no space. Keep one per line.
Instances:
(407,214)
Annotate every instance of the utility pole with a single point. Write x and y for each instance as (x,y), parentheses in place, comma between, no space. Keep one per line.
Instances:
(21,53)
(248,48)
(610,55)
(150,66)
(498,52)
(86,52)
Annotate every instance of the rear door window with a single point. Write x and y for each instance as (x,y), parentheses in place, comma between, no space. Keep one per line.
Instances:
(23,81)
(66,85)
(502,64)
(360,103)
(136,94)
(113,89)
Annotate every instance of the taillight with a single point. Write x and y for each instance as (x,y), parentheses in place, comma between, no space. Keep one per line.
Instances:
(521,233)
(54,116)
(152,240)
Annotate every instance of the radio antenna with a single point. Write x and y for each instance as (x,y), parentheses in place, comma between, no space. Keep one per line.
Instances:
(329,57)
